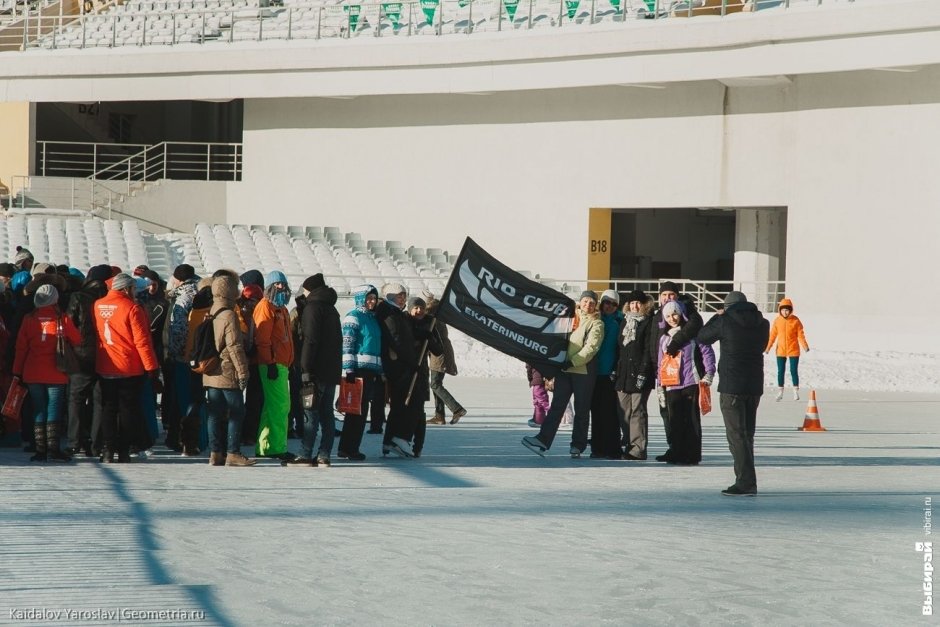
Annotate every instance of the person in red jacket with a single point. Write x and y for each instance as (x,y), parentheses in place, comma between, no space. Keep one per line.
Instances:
(787,332)
(125,356)
(35,364)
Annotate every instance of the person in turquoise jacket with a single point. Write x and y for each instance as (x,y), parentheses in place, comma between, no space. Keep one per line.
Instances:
(605,426)
(362,358)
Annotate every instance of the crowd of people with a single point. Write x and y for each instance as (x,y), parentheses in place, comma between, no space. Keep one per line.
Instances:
(617,357)
(95,358)
(222,361)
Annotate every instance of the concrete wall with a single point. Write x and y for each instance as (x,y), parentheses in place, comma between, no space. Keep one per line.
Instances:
(850,155)
(176,205)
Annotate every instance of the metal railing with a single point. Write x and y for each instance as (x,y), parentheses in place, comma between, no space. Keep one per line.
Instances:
(205,161)
(709,295)
(80,158)
(128,26)
(190,161)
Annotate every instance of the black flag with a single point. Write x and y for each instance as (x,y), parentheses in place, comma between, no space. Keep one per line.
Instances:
(498,306)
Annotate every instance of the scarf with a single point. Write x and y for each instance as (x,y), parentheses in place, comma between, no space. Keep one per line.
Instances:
(630,323)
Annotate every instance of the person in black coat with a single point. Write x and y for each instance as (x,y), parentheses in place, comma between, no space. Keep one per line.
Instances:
(427,340)
(400,361)
(635,376)
(743,331)
(670,291)
(84,425)
(321,356)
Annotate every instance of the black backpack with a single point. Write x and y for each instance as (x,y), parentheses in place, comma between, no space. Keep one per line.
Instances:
(205,358)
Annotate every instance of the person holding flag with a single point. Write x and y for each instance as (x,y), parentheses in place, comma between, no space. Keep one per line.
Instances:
(577,379)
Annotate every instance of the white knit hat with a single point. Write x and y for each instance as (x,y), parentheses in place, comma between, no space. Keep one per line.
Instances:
(46,295)
(610,295)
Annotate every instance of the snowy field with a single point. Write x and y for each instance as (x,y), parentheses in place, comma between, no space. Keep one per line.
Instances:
(480,531)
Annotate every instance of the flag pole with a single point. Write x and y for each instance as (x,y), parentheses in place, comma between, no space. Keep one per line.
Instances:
(424,350)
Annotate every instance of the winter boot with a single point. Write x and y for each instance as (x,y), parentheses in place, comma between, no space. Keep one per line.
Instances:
(39,435)
(460,413)
(52,444)
(237,459)
(779,394)
(216,459)
(438,419)
(796,394)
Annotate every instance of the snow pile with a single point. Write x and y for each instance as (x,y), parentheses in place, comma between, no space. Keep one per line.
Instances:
(831,370)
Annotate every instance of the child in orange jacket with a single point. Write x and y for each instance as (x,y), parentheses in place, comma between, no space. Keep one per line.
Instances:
(790,331)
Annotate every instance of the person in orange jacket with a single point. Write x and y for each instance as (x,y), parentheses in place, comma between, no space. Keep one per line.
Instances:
(124,357)
(35,365)
(789,328)
(275,352)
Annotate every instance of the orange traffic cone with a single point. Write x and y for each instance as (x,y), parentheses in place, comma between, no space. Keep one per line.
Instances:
(811,422)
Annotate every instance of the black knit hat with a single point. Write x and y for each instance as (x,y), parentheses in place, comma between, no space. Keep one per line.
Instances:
(252,277)
(184,272)
(668,286)
(98,273)
(636,295)
(313,282)
(7,269)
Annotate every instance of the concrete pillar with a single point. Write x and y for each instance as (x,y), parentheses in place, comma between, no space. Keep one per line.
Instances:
(760,254)
(18,139)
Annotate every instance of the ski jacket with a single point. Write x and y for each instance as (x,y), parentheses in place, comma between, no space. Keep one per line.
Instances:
(362,341)
(181,300)
(80,310)
(273,340)
(634,358)
(36,346)
(688,331)
(321,337)
(227,331)
(689,373)
(742,331)
(787,332)
(536,380)
(124,345)
(399,358)
(584,342)
(607,355)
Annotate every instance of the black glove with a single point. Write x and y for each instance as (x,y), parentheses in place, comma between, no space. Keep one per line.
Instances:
(272,372)
(567,364)
(673,348)
(350,377)
(640,381)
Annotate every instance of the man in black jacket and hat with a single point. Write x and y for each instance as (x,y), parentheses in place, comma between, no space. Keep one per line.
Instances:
(743,331)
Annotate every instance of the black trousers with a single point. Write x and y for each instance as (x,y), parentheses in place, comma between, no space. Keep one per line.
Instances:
(740,414)
(120,413)
(377,411)
(685,425)
(605,423)
(403,418)
(81,408)
(350,439)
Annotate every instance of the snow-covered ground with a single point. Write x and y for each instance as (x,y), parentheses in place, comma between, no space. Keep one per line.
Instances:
(481,531)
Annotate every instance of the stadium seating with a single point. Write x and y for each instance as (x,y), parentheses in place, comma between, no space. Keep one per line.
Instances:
(166,22)
(345,259)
